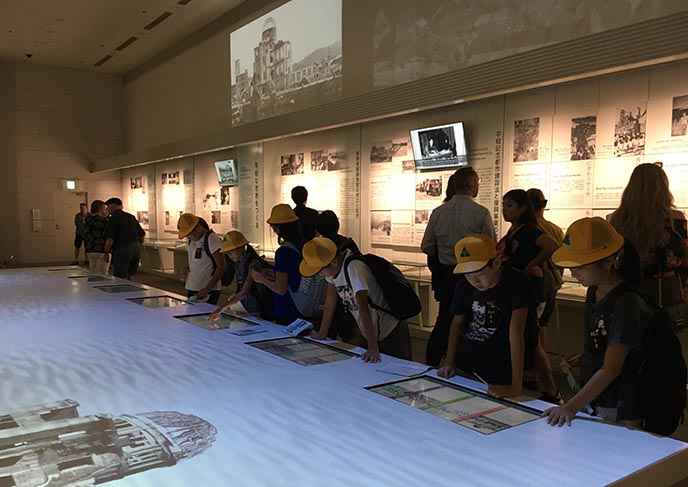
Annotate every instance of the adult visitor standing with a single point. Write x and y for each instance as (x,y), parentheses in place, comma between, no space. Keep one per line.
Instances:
(449,223)
(307,216)
(94,238)
(79,222)
(123,239)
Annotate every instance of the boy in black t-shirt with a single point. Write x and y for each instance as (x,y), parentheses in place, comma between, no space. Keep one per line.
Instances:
(494,330)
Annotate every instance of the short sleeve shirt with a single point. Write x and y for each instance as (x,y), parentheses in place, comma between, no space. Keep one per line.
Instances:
(245,265)
(123,229)
(520,245)
(620,317)
(201,264)
(287,260)
(94,234)
(362,279)
(484,347)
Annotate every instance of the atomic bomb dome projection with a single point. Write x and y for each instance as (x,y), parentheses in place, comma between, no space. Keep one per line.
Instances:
(278,66)
(49,444)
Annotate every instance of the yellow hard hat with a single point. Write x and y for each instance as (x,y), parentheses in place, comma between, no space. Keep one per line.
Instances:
(473,252)
(186,224)
(233,240)
(317,253)
(282,213)
(586,241)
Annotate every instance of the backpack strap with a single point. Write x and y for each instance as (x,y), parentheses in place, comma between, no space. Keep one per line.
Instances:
(345,268)
(206,247)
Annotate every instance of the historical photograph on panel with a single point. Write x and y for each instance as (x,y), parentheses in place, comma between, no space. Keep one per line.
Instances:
(429,188)
(142,218)
(526,139)
(384,151)
(224,195)
(679,116)
(336,160)
(170,177)
(52,444)
(279,65)
(629,130)
(380,223)
(319,160)
(136,182)
(422,217)
(583,137)
(408,166)
(215,217)
(210,200)
(291,165)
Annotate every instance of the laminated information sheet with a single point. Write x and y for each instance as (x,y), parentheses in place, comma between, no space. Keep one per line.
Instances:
(159,301)
(457,404)
(303,351)
(121,288)
(223,321)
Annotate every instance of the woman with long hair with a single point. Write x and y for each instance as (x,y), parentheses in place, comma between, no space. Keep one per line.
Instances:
(648,218)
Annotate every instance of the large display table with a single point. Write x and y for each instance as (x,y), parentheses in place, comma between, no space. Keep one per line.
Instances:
(97,386)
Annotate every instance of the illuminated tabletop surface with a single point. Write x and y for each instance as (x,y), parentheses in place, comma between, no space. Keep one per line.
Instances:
(192,407)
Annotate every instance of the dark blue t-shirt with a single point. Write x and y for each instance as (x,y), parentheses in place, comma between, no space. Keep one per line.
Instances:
(287,260)
(484,347)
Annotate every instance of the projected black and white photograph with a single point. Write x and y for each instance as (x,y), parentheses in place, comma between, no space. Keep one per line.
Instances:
(679,116)
(280,65)
(526,139)
(52,444)
(583,138)
(629,130)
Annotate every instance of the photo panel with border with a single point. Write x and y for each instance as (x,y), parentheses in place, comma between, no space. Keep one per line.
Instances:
(303,351)
(159,301)
(121,288)
(471,409)
(224,321)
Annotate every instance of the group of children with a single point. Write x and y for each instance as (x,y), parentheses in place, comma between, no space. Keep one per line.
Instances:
(494,334)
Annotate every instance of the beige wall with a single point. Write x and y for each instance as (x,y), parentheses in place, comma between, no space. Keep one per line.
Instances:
(185,97)
(9,244)
(63,120)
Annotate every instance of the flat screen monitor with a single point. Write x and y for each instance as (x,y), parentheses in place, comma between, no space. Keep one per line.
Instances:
(226,173)
(440,147)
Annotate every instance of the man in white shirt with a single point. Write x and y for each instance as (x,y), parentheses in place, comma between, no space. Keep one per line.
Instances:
(449,223)
(382,332)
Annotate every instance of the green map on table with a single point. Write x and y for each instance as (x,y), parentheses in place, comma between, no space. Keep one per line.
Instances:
(158,301)
(457,404)
(223,322)
(302,351)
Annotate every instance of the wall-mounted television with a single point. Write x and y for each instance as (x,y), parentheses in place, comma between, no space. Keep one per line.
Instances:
(439,147)
(226,173)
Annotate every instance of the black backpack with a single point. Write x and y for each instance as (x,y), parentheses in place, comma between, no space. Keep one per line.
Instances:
(260,292)
(397,291)
(228,276)
(663,375)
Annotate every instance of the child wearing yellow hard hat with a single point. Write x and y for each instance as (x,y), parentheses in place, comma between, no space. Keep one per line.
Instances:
(206,264)
(256,299)
(493,332)
(616,317)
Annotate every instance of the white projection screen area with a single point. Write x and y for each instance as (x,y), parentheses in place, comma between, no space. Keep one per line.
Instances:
(277,65)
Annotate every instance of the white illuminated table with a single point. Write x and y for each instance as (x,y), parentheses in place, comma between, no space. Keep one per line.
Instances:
(167,403)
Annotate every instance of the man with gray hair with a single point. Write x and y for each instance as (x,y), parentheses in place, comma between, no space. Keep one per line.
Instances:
(123,238)
(449,223)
